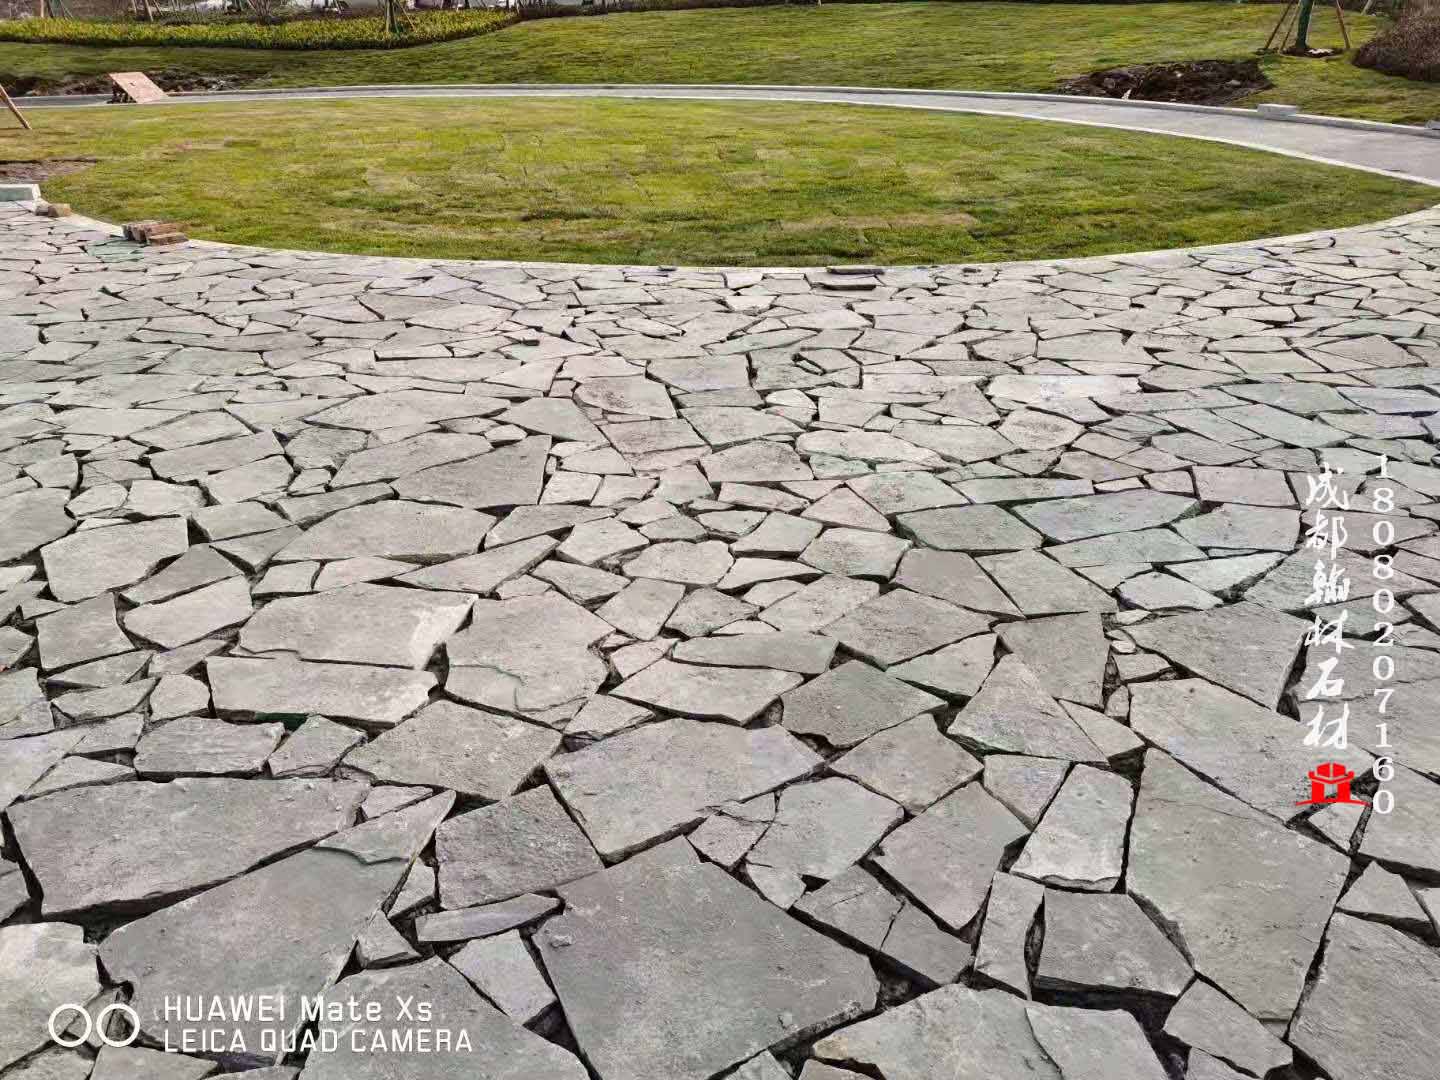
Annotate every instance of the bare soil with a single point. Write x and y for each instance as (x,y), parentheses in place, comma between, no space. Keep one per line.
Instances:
(170,81)
(1195,82)
(37,172)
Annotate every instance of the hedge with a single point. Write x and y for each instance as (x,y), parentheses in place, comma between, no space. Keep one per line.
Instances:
(367,32)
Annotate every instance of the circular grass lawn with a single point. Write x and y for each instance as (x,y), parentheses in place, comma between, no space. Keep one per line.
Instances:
(615,181)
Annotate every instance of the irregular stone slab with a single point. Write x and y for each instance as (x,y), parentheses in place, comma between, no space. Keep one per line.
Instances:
(1386,897)
(1066,653)
(955,671)
(42,966)
(1104,942)
(1374,1009)
(819,603)
(1080,842)
(502,969)
(1242,647)
(222,828)
(712,975)
(945,857)
(79,633)
(854,905)
(510,476)
(32,519)
(24,761)
(901,624)
(138,1063)
(1092,1044)
(407,531)
(1039,586)
(1207,1019)
(286,930)
(522,844)
(855,553)
(313,750)
(90,562)
(822,827)
(468,923)
(1252,753)
(911,763)
(1009,915)
(952,576)
(755,463)
(1097,515)
(57,1065)
(689,564)
(1248,897)
(649,784)
(1403,840)
(193,615)
(394,460)
(446,745)
(405,408)
(633,394)
(1013,713)
(809,654)
(734,694)
(965,444)
(484,572)
(982,529)
(1232,526)
(359,624)
(200,565)
(975,1034)
(1205,1067)
(198,745)
(373,695)
(480,1037)
(526,655)
(848,704)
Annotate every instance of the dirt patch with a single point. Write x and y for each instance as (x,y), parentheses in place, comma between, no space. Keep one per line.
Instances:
(1195,82)
(37,172)
(169,81)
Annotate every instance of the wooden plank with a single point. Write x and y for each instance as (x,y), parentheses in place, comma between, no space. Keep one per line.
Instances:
(14,109)
(135,86)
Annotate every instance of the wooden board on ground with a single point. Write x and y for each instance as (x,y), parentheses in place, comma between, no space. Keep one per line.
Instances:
(135,86)
(12,107)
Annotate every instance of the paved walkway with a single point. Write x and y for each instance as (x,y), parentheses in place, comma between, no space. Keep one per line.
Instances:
(1387,149)
(690,669)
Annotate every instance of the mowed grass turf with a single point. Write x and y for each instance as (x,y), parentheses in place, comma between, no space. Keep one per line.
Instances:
(681,182)
(978,46)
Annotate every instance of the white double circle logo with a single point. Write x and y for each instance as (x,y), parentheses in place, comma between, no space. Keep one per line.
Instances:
(98,1025)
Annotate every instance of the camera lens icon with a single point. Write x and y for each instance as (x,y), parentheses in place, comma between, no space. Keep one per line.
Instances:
(98,1025)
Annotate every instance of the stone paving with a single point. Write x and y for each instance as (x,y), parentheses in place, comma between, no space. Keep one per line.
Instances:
(665,674)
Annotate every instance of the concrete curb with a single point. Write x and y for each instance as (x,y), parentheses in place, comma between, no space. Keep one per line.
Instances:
(1000,95)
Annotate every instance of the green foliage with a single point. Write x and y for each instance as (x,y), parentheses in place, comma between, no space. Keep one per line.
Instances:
(734,183)
(366,32)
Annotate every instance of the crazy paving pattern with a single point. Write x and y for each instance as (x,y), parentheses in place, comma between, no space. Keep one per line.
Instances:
(670,674)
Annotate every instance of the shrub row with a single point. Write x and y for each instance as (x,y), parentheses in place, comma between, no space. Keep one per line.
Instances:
(367,32)
(1411,47)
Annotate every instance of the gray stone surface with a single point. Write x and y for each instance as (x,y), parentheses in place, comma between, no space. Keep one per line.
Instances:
(712,975)
(135,846)
(492,1042)
(42,966)
(1372,1011)
(842,507)
(1090,1044)
(1080,842)
(225,941)
(945,857)
(974,1034)
(470,751)
(1249,898)
(651,783)
(1104,942)
(522,844)
(1206,1019)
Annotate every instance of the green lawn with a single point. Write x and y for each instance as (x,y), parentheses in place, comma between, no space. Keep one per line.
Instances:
(682,182)
(985,46)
